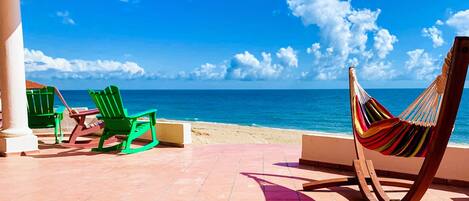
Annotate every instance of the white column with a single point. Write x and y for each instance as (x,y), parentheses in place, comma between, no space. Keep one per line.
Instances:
(15,136)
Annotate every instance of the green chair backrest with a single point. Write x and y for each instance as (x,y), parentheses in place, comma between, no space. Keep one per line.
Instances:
(40,106)
(40,101)
(109,103)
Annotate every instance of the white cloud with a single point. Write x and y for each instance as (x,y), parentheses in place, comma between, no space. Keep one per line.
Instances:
(288,57)
(460,21)
(207,71)
(329,16)
(361,23)
(245,66)
(40,65)
(439,22)
(380,70)
(344,33)
(422,65)
(328,67)
(66,19)
(384,43)
(434,34)
(314,48)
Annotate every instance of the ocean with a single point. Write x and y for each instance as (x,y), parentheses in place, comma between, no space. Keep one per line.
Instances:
(323,110)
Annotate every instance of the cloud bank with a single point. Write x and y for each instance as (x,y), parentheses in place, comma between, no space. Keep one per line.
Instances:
(39,65)
(242,66)
(247,67)
(344,34)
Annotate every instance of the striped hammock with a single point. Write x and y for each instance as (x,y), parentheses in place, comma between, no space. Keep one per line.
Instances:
(406,135)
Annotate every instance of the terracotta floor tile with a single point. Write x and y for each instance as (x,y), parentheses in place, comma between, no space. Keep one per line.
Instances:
(247,172)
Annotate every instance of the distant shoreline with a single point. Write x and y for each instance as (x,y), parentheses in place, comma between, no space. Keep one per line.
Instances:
(341,134)
(230,133)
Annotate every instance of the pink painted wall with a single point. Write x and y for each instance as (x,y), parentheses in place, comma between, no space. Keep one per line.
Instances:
(340,150)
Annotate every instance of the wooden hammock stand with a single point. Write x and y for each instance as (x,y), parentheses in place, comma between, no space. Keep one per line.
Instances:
(364,171)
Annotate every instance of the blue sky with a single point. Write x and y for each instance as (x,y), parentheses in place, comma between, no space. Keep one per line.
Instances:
(195,44)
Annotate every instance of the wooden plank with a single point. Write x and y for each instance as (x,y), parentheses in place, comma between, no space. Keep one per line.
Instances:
(395,182)
(344,181)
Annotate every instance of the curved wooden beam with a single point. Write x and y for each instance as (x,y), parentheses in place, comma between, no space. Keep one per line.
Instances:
(362,183)
(444,126)
(395,182)
(344,181)
(375,183)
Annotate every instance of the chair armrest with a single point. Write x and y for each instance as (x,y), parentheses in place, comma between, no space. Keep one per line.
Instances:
(85,113)
(150,113)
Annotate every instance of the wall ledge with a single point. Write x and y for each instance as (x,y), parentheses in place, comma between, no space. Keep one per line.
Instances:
(338,152)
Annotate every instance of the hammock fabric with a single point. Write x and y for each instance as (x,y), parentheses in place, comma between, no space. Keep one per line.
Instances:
(406,135)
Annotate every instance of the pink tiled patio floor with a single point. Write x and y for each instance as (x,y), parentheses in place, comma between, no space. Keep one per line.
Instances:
(195,173)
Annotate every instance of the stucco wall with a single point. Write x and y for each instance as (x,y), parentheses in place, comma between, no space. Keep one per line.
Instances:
(340,150)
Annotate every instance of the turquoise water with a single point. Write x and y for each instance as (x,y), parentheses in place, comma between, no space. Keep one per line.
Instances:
(315,110)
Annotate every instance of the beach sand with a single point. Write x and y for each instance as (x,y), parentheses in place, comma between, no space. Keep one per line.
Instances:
(215,133)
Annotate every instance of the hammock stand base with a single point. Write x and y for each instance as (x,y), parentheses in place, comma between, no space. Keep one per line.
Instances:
(364,170)
(364,176)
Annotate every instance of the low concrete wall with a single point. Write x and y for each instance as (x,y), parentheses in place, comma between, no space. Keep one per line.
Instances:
(341,151)
(171,133)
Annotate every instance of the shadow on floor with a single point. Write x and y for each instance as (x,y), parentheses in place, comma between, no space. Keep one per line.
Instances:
(271,192)
(271,189)
(44,146)
(455,189)
(58,150)
(68,153)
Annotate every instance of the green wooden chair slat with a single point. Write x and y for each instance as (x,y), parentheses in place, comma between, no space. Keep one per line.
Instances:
(117,122)
(46,102)
(108,106)
(41,111)
(113,104)
(31,108)
(99,104)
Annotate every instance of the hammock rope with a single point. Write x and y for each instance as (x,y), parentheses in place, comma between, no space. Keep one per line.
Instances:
(405,135)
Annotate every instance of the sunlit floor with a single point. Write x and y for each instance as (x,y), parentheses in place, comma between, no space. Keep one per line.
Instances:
(196,173)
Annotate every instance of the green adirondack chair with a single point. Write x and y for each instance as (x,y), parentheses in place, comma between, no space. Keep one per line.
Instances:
(118,123)
(41,111)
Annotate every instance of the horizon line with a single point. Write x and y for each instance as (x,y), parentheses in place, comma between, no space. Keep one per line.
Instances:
(249,89)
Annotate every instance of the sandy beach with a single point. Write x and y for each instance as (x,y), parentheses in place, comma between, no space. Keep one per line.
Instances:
(222,133)
(215,133)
